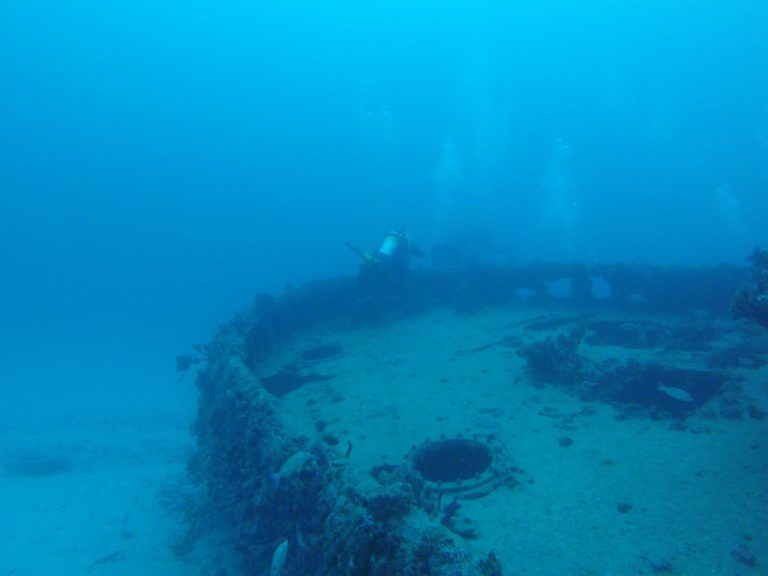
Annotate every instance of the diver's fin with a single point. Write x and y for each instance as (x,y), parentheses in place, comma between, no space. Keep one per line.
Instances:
(364,256)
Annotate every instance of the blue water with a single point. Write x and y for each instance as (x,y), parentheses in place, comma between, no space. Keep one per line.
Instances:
(163,162)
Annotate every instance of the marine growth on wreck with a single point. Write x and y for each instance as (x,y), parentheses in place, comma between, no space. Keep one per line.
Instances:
(340,435)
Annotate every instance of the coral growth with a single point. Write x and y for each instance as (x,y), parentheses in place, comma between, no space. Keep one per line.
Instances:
(636,388)
(269,490)
(751,301)
(556,360)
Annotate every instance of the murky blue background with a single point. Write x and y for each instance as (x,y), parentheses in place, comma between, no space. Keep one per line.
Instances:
(162,162)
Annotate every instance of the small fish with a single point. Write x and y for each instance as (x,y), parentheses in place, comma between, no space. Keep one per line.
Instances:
(676,393)
(294,464)
(116,556)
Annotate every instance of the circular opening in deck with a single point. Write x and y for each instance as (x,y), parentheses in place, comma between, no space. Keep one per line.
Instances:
(452,460)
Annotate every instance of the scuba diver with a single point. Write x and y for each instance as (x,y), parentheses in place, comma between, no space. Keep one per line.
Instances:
(390,264)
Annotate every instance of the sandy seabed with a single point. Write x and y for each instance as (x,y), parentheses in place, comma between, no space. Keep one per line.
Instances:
(97,508)
(619,497)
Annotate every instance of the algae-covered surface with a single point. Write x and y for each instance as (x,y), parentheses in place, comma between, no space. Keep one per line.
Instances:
(603,484)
